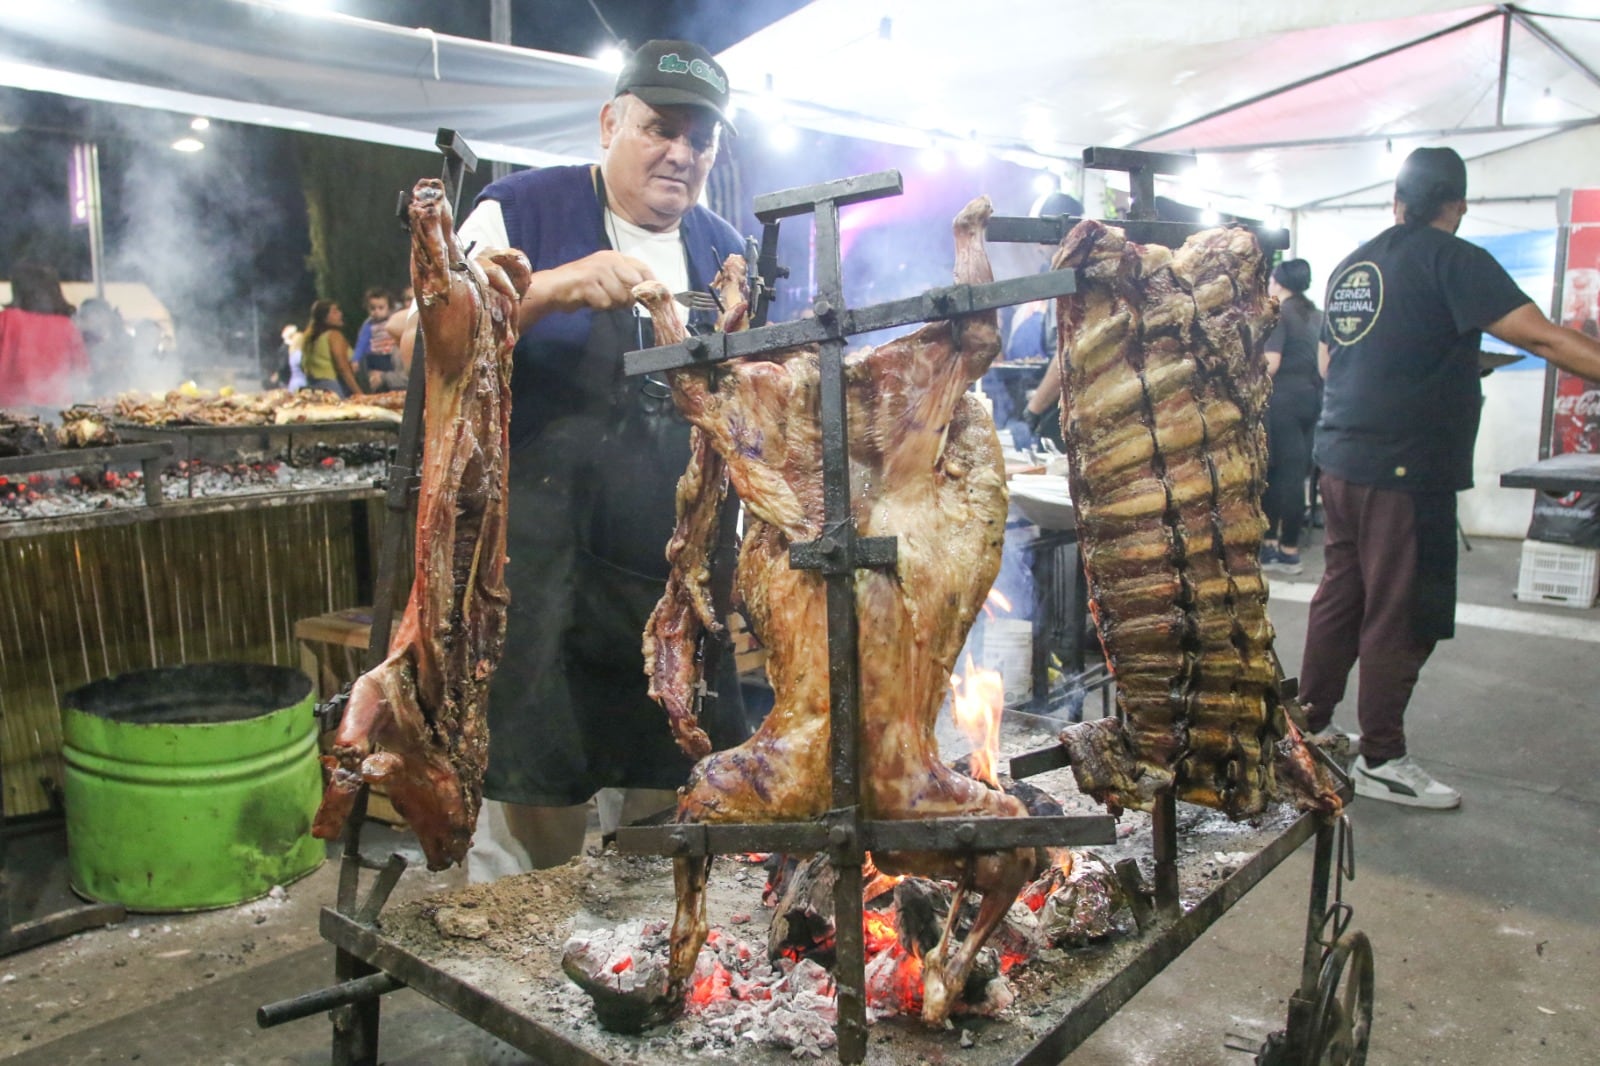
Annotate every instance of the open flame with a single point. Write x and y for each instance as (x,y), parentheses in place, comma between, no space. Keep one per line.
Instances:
(976,703)
(996,598)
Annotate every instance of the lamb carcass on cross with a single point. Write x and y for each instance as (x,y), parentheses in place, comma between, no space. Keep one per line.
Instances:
(926,468)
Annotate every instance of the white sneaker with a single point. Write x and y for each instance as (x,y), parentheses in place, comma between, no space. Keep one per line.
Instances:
(1403,781)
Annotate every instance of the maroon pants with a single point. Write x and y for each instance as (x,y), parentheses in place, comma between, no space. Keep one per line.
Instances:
(1364,609)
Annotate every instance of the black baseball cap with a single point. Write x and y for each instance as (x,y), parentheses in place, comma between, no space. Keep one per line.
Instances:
(1436,174)
(676,72)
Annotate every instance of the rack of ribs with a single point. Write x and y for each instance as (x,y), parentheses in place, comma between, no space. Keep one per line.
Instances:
(416,722)
(926,468)
(1163,392)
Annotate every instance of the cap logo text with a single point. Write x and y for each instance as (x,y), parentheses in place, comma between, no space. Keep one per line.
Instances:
(699,68)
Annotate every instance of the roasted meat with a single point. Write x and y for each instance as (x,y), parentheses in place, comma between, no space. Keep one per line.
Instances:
(191,406)
(926,469)
(684,616)
(1164,387)
(416,722)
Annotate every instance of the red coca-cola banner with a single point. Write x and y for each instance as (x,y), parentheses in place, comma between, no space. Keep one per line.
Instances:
(1575,409)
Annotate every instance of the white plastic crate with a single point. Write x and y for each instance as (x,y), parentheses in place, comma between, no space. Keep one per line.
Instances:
(1557,573)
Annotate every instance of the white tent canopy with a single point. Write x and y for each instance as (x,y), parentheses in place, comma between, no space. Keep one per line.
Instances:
(1290,106)
(1297,112)
(272,65)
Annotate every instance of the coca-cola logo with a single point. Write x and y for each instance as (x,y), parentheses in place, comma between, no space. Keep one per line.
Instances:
(1580,405)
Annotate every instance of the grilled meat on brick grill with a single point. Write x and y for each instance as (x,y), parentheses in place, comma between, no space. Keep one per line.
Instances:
(416,722)
(926,468)
(1164,389)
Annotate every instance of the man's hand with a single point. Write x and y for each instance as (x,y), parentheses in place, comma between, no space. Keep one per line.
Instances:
(602,281)
(1574,352)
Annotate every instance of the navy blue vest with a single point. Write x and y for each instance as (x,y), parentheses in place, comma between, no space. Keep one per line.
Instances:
(553,216)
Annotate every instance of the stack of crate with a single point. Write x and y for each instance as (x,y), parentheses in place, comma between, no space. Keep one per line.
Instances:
(1559,574)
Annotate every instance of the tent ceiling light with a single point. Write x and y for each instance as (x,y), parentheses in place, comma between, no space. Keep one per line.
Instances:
(188,144)
(1547,108)
(199,122)
(610,58)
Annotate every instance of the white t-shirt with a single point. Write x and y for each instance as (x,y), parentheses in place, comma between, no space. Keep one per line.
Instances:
(661,252)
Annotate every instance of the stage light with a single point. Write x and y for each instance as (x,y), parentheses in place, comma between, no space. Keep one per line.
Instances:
(782,137)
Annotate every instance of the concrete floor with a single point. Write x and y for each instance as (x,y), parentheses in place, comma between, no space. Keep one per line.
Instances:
(1485,921)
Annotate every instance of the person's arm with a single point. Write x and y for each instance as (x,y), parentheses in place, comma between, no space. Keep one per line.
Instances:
(1047,392)
(601,281)
(1323,359)
(1572,351)
(400,376)
(339,348)
(363,344)
(1272,351)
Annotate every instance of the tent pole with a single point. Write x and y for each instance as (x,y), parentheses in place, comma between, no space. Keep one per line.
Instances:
(499,33)
(1410,135)
(1313,204)
(1505,65)
(1554,45)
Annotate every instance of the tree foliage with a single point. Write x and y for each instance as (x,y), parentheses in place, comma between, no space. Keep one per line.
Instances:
(351,191)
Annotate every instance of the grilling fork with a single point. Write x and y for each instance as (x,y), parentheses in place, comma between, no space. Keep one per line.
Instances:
(695,300)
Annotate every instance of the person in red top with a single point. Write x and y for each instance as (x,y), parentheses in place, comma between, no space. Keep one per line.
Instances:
(42,357)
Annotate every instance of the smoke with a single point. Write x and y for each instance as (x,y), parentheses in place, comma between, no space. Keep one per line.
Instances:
(194,227)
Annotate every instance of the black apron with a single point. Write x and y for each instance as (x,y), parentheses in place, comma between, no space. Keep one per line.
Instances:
(1433,616)
(591,508)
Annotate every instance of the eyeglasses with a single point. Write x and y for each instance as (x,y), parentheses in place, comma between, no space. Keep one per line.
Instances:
(659,134)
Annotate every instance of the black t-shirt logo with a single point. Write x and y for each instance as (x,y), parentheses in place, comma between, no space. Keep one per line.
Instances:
(1354,300)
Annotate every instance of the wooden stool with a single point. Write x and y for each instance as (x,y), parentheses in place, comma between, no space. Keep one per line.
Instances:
(332,648)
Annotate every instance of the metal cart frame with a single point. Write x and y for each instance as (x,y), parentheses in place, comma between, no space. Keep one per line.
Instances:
(1326,1019)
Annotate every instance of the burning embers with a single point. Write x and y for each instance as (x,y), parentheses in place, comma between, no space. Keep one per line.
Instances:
(782,993)
(101,487)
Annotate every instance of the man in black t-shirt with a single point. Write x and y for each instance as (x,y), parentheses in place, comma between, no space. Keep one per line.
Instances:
(1399,352)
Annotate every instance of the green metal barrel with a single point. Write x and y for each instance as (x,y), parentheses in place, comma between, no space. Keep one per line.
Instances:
(191,787)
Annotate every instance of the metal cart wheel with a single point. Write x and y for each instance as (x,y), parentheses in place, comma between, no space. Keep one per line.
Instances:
(1341,1024)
